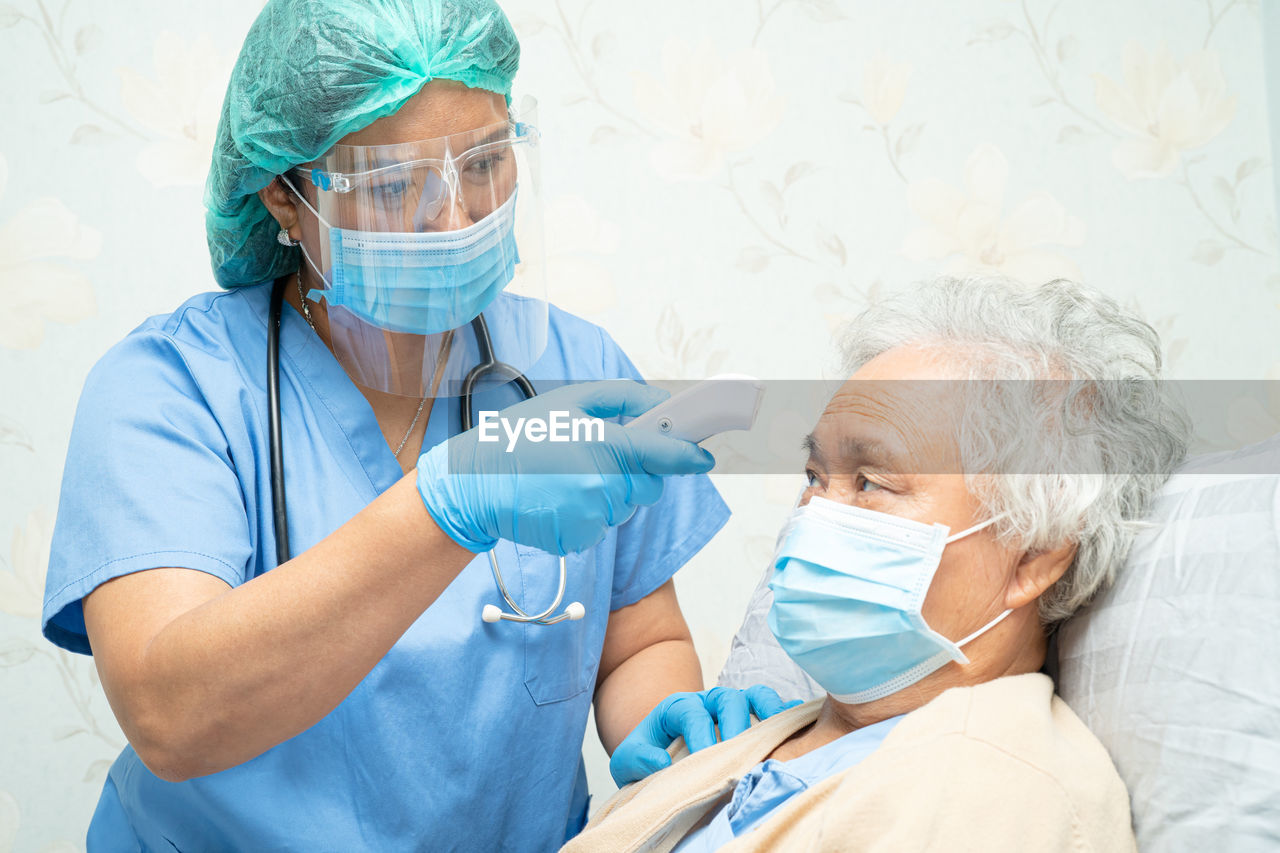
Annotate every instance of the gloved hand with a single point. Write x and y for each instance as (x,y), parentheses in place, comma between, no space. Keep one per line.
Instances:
(559,497)
(692,716)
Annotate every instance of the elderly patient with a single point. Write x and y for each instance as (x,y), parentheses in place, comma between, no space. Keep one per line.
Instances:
(964,496)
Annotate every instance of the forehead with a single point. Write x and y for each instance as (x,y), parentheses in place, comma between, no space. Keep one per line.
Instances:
(902,408)
(440,108)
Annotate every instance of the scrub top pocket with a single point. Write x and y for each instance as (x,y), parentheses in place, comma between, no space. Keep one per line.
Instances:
(560,660)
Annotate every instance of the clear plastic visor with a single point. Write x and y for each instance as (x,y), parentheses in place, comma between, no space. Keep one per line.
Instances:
(414,241)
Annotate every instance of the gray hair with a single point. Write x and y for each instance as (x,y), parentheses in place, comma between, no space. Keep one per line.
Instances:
(1080,466)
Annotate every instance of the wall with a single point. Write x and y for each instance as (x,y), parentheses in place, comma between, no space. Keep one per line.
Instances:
(728,180)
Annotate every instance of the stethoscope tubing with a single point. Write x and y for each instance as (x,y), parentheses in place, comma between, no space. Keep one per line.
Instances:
(485,366)
(488,365)
(519,615)
(280,519)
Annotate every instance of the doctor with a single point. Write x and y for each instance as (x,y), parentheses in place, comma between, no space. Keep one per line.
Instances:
(342,692)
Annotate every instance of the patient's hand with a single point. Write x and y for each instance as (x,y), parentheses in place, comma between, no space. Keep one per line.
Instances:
(694,717)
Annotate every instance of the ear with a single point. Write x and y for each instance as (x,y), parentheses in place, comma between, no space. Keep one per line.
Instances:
(1036,572)
(279,201)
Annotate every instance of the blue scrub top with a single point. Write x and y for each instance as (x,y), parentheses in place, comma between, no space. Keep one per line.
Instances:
(467,735)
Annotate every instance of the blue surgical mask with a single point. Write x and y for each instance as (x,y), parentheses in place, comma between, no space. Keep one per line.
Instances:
(420,282)
(847,594)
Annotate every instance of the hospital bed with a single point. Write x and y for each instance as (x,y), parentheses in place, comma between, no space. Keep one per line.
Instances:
(1176,668)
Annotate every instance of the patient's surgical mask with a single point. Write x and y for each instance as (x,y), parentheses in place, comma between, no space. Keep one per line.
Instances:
(847,597)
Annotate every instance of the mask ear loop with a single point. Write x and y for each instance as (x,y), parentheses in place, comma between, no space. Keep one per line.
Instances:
(307,257)
(963,533)
(303,246)
(975,528)
(984,629)
(288,183)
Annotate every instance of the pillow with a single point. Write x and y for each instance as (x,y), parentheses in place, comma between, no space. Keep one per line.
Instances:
(1175,667)
(756,658)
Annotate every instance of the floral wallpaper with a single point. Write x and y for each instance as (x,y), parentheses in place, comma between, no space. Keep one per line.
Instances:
(726,182)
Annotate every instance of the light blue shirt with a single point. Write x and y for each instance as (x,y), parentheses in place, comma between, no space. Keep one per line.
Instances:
(467,735)
(769,785)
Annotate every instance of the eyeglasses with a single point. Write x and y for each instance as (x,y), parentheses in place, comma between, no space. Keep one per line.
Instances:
(481,178)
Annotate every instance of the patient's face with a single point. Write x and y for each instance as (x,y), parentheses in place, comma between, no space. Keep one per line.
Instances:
(887,442)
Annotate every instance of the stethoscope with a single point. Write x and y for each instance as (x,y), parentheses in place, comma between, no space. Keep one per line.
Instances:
(487,366)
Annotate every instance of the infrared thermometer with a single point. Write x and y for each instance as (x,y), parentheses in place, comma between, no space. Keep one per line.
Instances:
(719,404)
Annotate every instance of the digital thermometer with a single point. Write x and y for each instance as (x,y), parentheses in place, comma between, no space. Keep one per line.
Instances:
(719,404)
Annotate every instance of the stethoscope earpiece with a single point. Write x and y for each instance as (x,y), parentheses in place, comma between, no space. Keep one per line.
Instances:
(572,613)
(492,613)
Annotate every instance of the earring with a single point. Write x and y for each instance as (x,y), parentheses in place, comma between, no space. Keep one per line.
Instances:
(284,239)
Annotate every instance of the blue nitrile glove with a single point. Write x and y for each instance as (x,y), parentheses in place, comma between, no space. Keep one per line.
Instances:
(559,497)
(692,716)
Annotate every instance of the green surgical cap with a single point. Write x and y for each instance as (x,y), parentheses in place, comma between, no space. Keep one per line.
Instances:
(312,71)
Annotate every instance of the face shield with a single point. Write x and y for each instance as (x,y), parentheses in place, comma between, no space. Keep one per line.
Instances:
(426,246)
